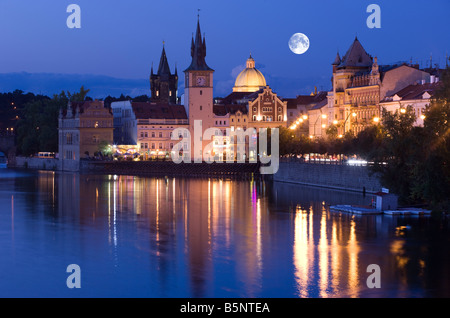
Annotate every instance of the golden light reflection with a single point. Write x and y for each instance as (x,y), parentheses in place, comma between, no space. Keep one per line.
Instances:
(323,256)
(301,262)
(353,251)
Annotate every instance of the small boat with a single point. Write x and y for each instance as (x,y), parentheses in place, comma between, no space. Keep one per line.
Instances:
(355,209)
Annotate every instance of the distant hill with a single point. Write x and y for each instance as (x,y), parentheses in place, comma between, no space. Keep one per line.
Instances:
(50,83)
(101,86)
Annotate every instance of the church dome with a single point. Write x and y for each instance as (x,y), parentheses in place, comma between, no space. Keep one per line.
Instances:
(250,79)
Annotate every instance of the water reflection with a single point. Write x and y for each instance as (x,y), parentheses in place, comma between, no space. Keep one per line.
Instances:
(171,237)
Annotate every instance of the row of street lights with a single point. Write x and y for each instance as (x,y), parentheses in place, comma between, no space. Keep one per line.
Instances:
(303,118)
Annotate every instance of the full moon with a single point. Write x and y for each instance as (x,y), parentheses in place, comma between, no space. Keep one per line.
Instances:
(299,43)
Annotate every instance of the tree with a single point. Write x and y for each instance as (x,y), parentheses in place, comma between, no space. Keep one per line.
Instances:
(395,157)
(432,173)
(37,129)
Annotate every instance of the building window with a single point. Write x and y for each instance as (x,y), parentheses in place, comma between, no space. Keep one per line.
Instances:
(160,135)
(201,107)
(160,145)
(142,134)
(201,92)
(153,145)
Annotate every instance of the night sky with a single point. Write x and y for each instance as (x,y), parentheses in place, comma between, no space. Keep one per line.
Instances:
(120,39)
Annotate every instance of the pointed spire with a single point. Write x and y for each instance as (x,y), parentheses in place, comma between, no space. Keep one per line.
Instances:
(151,72)
(163,68)
(356,56)
(192,46)
(198,51)
(176,71)
(337,60)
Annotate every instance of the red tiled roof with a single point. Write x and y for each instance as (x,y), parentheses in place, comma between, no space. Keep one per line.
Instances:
(306,99)
(415,91)
(145,110)
(222,110)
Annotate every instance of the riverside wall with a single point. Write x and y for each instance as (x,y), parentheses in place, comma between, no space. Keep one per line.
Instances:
(335,176)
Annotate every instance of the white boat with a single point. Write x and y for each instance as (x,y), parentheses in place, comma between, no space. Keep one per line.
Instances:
(354,209)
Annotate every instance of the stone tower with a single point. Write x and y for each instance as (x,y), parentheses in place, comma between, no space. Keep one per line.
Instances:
(199,93)
(164,84)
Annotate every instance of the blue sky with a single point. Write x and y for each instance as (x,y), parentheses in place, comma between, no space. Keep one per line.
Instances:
(120,39)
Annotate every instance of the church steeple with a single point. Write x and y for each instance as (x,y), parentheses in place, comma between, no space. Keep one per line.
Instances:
(163,68)
(163,84)
(198,52)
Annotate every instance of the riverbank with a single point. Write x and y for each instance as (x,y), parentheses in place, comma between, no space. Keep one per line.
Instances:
(333,176)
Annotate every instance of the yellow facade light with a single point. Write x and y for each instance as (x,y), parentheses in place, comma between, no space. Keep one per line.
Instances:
(376,119)
(324,116)
(335,122)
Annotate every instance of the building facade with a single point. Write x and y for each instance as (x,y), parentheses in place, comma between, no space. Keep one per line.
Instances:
(416,96)
(359,83)
(82,128)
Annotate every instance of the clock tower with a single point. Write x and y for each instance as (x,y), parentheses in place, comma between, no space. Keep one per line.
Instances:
(199,94)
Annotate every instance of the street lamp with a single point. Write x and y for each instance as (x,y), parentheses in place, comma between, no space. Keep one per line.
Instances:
(322,116)
(376,119)
(353,115)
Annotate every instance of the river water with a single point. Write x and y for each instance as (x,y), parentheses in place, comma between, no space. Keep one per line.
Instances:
(173,237)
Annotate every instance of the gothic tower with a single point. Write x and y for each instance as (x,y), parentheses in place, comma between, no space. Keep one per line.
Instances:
(164,84)
(199,91)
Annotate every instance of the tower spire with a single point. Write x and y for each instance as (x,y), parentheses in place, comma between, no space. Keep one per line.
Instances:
(198,51)
(163,68)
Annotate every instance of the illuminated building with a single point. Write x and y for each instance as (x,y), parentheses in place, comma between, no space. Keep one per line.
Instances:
(360,83)
(250,79)
(82,128)
(417,96)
